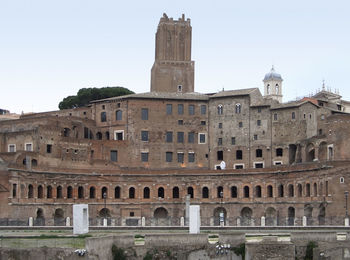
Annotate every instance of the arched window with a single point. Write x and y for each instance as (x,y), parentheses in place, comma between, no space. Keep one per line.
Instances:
(80,192)
(190,192)
(69,192)
(233,192)
(220,192)
(279,152)
(300,190)
(176,193)
(290,190)
(49,192)
(238,108)
(268,89)
(308,190)
(146,193)
(161,192)
(258,191)
(246,192)
(205,193)
(280,191)
(220,109)
(104,192)
(107,135)
(315,189)
(131,193)
(30,191)
(40,192)
(59,192)
(277,89)
(92,192)
(269,191)
(118,115)
(117,192)
(99,136)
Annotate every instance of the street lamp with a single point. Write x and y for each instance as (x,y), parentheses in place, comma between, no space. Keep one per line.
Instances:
(346,203)
(104,195)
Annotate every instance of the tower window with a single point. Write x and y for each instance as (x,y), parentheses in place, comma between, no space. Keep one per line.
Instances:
(220,109)
(275,117)
(238,108)
(179,88)
(258,122)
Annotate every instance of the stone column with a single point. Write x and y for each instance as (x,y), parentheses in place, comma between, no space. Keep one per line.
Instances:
(263,221)
(187,212)
(67,221)
(304,221)
(30,221)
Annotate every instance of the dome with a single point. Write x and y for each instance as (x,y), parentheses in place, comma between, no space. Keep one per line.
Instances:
(272,75)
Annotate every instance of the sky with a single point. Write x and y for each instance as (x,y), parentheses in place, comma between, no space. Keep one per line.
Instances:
(51,49)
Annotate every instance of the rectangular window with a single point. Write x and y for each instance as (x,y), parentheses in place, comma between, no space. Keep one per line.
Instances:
(29,147)
(169,109)
(219,141)
(144,113)
(114,155)
(239,166)
(180,157)
(220,125)
(144,157)
(180,122)
(190,137)
(103,117)
(169,156)
(180,137)
(203,109)
(233,140)
(201,138)
(255,137)
(119,135)
(258,153)
(191,109)
(258,122)
(259,110)
(11,148)
(258,165)
(49,148)
(293,115)
(180,109)
(239,155)
(144,136)
(203,122)
(220,155)
(14,190)
(275,117)
(169,137)
(240,124)
(191,157)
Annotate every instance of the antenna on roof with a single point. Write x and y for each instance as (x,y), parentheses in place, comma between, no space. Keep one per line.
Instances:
(323,85)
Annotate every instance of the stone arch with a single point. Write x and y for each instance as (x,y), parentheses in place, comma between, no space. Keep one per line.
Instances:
(160,216)
(176,192)
(291,216)
(219,212)
(290,190)
(281,191)
(300,190)
(246,192)
(92,193)
(205,193)
(146,193)
(59,194)
(322,151)
(271,217)
(161,192)
(246,216)
(58,217)
(80,192)
(315,189)
(117,192)
(322,214)
(131,193)
(310,152)
(104,213)
(269,190)
(308,213)
(40,218)
(308,190)
(190,192)
(49,192)
(30,191)
(258,191)
(69,192)
(40,192)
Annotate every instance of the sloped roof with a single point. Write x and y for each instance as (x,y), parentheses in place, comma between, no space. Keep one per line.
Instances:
(236,92)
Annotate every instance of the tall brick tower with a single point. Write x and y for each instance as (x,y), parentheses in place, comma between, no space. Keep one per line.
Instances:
(173,70)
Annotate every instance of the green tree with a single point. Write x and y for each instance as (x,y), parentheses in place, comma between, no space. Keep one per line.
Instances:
(85,95)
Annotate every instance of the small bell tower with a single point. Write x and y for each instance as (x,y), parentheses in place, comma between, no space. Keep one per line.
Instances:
(273,85)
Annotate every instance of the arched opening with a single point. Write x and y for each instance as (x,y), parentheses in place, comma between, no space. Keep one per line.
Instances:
(322,151)
(220,192)
(160,217)
(40,192)
(300,190)
(205,193)
(321,188)
(69,192)
(117,192)
(308,190)
(330,153)
(246,216)
(98,136)
(234,192)
(279,152)
(66,132)
(258,191)
(291,216)
(59,194)
(277,88)
(80,192)
(246,192)
(315,189)
(161,192)
(190,192)
(40,219)
(220,109)
(220,216)
(107,135)
(280,191)
(269,191)
(34,162)
(310,153)
(92,192)
(104,213)
(131,193)
(30,191)
(104,192)
(308,213)
(290,190)
(176,193)
(271,217)
(238,108)
(59,217)
(322,214)
(292,153)
(49,192)
(146,193)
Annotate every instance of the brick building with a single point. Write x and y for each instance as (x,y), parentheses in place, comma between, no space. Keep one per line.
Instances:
(235,152)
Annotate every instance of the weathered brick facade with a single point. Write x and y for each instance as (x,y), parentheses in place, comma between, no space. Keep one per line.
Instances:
(147,152)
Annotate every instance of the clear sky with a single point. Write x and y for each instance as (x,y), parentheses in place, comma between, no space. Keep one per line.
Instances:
(51,49)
